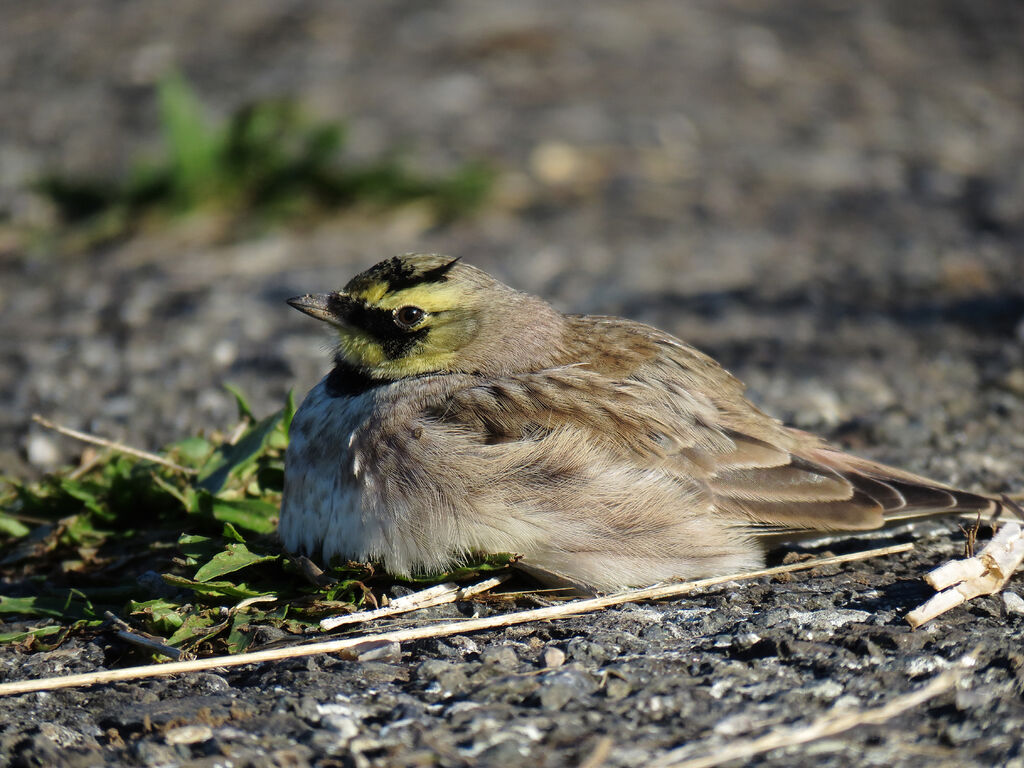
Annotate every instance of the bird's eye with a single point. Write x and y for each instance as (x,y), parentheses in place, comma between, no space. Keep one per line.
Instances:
(408,317)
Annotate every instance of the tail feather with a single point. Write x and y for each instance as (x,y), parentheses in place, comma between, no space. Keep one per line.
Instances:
(915,496)
(875,496)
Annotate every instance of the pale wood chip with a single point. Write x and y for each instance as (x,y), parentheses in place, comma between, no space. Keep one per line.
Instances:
(984,574)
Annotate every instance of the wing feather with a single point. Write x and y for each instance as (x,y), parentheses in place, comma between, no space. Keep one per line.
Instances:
(661,404)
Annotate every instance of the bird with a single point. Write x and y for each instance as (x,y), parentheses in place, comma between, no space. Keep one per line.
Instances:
(462,416)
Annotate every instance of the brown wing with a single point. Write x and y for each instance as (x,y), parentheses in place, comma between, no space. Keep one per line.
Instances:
(663,404)
(825,489)
(618,412)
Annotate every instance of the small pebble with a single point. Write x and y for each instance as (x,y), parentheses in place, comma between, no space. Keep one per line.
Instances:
(42,451)
(382,652)
(1013,602)
(344,726)
(188,734)
(555,657)
(499,656)
(616,688)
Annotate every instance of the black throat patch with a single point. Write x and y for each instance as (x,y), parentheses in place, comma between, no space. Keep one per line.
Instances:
(345,380)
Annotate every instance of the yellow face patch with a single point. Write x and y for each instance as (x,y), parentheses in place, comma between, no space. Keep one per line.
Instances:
(390,352)
(364,351)
(430,298)
(375,335)
(359,348)
(372,293)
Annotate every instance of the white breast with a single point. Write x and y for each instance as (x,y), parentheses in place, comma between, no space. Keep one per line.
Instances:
(322,509)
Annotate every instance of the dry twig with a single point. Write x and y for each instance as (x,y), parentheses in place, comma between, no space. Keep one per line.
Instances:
(85,437)
(961,580)
(142,639)
(425,598)
(572,608)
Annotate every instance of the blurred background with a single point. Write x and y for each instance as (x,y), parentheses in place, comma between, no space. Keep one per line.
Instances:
(826,196)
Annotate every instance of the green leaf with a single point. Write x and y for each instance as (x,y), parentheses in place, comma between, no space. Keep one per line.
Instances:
(231,460)
(159,615)
(229,532)
(234,558)
(186,496)
(483,564)
(32,606)
(238,639)
(13,527)
(216,589)
(347,592)
(251,514)
(192,451)
(81,531)
(195,547)
(288,412)
(84,494)
(244,411)
(73,606)
(17,637)
(194,627)
(278,440)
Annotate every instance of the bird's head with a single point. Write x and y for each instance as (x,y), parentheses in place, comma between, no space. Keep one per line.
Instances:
(426,313)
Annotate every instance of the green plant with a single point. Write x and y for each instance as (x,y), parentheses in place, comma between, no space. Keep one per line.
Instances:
(267,162)
(182,550)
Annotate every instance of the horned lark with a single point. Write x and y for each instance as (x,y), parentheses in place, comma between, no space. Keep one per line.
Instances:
(464,416)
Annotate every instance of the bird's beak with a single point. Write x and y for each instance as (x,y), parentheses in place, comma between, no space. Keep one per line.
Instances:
(330,307)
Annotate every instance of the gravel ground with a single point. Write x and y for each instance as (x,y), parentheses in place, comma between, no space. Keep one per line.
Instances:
(826,196)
